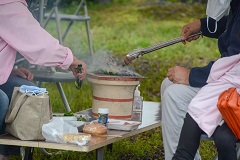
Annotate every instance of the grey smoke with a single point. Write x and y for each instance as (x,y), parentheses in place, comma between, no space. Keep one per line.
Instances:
(104,63)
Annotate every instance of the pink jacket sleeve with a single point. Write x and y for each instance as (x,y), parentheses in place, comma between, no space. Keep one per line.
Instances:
(221,66)
(21,31)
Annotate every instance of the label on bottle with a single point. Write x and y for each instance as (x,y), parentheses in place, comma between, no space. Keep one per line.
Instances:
(137,116)
(137,104)
(103,118)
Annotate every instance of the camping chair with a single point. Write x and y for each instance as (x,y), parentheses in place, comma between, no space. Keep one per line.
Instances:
(38,8)
(71,18)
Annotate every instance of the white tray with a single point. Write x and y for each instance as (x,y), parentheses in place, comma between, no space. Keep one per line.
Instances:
(122,124)
(71,118)
(66,118)
(76,123)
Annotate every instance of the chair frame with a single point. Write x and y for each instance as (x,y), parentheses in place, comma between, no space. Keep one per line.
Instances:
(39,8)
(54,14)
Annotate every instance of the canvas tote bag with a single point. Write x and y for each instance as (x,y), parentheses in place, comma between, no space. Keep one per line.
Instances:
(26,115)
(229,106)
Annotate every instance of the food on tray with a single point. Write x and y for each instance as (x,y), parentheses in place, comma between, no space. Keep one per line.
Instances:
(104,71)
(69,113)
(95,129)
(81,118)
(76,137)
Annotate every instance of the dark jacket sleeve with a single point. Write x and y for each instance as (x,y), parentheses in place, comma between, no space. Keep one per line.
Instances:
(221,27)
(198,75)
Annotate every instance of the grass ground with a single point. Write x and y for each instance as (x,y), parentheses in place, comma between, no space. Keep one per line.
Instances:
(117,28)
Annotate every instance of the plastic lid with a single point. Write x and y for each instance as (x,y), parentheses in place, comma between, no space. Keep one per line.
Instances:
(137,92)
(103,110)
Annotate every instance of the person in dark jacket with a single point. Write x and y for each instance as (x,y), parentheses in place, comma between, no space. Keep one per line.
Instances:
(182,85)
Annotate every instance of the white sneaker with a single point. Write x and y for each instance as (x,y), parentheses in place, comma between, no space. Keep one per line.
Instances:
(197,156)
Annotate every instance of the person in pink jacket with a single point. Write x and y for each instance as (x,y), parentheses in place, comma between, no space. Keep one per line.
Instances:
(21,32)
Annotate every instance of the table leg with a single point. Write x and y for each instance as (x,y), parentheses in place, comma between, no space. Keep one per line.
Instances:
(109,147)
(100,153)
(28,153)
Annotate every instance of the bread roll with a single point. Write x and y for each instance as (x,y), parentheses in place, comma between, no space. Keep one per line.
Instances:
(71,137)
(95,129)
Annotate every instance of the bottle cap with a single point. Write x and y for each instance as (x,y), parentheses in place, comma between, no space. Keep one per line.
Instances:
(137,92)
(103,110)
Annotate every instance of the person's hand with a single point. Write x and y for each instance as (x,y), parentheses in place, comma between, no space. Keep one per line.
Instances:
(22,72)
(178,75)
(189,29)
(74,66)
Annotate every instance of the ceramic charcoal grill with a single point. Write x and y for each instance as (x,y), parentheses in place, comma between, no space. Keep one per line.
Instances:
(113,92)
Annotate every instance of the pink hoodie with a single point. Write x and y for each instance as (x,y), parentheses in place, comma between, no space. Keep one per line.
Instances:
(10,1)
(225,73)
(19,31)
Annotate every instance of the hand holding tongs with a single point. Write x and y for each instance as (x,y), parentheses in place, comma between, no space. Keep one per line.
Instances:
(139,52)
(78,82)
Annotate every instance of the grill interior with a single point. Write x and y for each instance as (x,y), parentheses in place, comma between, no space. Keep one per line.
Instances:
(115,76)
(121,73)
(106,66)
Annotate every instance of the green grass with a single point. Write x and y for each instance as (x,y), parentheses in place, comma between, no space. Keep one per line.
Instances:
(120,27)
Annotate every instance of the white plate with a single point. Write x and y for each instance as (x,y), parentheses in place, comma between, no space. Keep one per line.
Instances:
(66,118)
(71,118)
(76,123)
(122,124)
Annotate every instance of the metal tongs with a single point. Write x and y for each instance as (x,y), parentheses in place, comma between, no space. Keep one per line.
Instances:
(78,82)
(140,52)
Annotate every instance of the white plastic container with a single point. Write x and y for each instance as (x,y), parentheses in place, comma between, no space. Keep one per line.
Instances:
(137,101)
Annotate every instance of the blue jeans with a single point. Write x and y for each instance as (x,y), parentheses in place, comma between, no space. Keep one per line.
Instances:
(6,90)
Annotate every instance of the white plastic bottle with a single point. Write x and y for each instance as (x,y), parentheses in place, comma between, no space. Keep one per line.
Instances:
(103,115)
(138,100)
